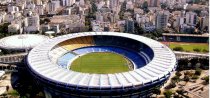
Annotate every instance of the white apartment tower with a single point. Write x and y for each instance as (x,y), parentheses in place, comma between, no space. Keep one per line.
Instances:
(162,19)
(191,18)
(32,23)
(53,5)
(67,2)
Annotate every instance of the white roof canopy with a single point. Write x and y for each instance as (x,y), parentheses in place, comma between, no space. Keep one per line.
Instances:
(23,41)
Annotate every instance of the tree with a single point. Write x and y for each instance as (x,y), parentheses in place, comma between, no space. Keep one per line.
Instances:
(168,93)
(122,10)
(47,20)
(156,91)
(195,77)
(204,50)
(138,29)
(178,49)
(175,78)
(163,5)
(178,73)
(206,79)
(181,91)
(145,7)
(198,71)
(197,50)
(186,78)
(4,30)
(94,7)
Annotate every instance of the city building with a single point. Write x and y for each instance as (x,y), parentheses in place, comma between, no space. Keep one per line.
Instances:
(204,24)
(53,6)
(191,18)
(129,26)
(32,23)
(40,9)
(67,2)
(153,3)
(162,19)
(12,9)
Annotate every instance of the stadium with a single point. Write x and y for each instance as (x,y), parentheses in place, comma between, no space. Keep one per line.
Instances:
(104,64)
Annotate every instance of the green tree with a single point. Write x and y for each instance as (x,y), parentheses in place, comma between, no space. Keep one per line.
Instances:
(4,30)
(156,91)
(178,73)
(181,91)
(198,71)
(186,78)
(145,7)
(175,78)
(178,49)
(122,10)
(163,5)
(138,29)
(168,93)
(94,8)
(206,79)
(197,50)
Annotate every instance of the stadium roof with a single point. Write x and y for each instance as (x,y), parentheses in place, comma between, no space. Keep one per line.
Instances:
(159,67)
(22,41)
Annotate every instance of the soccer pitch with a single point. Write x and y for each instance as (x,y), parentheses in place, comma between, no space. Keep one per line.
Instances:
(100,63)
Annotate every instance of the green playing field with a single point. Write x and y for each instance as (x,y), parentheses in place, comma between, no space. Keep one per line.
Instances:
(100,63)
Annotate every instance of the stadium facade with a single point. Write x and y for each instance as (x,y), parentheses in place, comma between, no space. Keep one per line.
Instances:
(49,63)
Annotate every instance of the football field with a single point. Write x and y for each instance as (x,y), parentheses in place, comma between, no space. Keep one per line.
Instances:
(100,63)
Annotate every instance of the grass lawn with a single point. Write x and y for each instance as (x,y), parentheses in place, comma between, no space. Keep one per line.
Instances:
(190,46)
(100,63)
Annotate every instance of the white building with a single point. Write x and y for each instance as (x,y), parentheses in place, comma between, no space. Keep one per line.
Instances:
(30,6)
(39,9)
(12,9)
(162,19)
(114,5)
(129,26)
(32,23)
(53,6)
(204,23)
(2,16)
(100,26)
(179,21)
(191,18)
(67,2)
(142,19)
(67,11)
(9,17)
(129,5)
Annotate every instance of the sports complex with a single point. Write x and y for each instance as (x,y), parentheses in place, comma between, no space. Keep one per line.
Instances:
(105,64)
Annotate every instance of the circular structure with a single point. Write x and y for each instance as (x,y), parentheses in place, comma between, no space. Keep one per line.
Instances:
(151,64)
(21,42)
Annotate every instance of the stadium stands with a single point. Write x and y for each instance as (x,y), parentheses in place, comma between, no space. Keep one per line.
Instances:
(64,60)
(77,43)
(137,52)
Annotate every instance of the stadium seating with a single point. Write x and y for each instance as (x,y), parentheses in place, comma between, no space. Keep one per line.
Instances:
(56,52)
(64,60)
(77,43)
(137,52)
